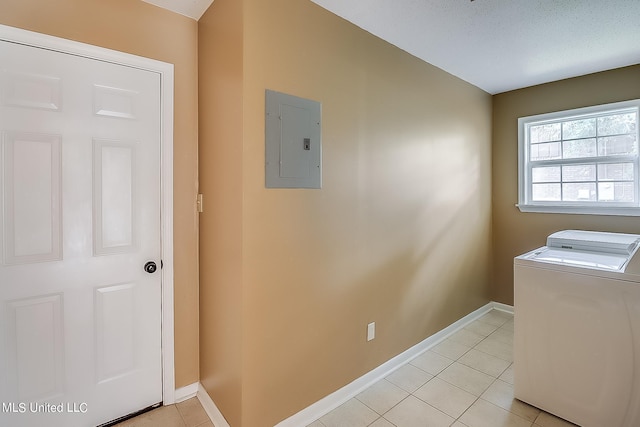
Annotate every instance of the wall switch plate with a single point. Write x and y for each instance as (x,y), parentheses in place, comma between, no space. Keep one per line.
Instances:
(200,203)
(371,331)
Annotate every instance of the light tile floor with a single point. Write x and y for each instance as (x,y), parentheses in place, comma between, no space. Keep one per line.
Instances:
(189,413)
(464,381)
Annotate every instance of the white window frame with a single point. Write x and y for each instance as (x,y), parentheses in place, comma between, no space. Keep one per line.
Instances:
(525,204)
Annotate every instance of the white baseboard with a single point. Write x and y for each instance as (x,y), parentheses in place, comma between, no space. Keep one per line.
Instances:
(502,307)
(186,392)
(337,398)
(210,408)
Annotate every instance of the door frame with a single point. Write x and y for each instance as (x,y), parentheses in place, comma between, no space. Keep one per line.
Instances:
(165,70)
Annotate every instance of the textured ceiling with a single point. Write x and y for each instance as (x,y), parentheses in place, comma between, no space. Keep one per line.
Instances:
(497,45)
(500,45)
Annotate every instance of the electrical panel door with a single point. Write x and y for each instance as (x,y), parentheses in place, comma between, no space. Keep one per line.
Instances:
(293,142)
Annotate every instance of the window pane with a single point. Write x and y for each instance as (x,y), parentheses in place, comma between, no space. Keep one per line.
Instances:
(584,158)
(615,145)
(579,148)
(545,192)
(546,151)
(546,174)
(617,124)
(616,192)
(544,133)
(578,173)
(584,128)
(579,191)
(615,172)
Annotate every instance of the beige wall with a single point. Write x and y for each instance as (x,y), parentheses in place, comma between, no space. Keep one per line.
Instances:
(399,234)
(141,29)
(515,232)
(221,164)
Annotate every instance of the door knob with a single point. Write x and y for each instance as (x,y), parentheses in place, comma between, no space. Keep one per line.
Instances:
(150,267)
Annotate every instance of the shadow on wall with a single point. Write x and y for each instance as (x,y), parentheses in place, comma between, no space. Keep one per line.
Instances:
(430,249)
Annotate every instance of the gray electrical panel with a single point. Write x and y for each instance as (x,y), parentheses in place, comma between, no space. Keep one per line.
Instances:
(293,142)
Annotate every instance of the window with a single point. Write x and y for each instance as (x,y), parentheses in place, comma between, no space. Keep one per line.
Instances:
(580,161)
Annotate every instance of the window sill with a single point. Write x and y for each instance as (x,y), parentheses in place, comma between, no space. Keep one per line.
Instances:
(580,210)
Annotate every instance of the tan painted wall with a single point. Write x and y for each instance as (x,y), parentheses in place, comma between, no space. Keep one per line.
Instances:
(515,232)
(221,164)
(399,234)
(141,29)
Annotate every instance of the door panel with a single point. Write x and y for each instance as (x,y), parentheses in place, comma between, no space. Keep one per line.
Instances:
(32,91)
(80,216)
(35,332)
(32,197)
(115,339)
(113,197)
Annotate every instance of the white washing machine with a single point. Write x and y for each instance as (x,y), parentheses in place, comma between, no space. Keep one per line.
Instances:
(577,328)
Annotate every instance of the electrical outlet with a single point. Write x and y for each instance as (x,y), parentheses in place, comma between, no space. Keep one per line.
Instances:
(371,331)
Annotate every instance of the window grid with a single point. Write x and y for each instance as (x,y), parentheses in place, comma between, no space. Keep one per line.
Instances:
(596,179)
(560,160)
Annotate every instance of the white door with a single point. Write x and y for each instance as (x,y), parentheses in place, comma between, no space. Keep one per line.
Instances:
(80,318)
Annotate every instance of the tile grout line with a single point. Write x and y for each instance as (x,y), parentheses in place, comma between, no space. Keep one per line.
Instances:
(492,382)
(532,423)
(184,422)
(454,360)
(476,397)
(494,378)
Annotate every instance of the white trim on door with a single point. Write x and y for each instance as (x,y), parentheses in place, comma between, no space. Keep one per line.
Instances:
(165,70)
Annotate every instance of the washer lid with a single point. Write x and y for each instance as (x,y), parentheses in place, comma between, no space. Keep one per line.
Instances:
(598,261)
(594,241)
